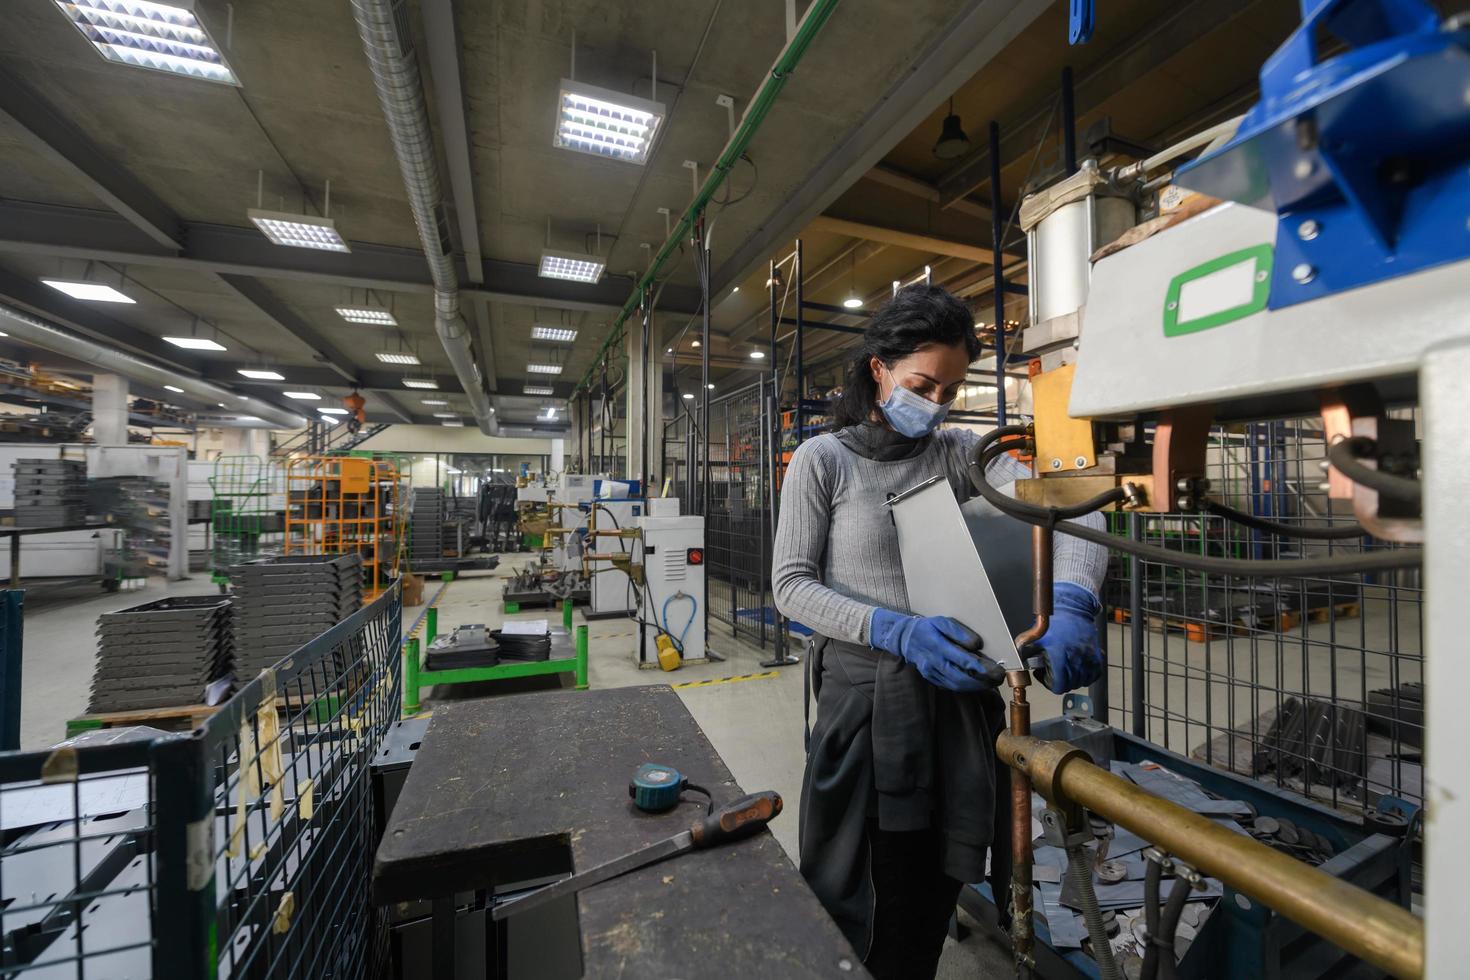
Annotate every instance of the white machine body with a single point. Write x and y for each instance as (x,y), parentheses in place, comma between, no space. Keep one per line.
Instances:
(611,595)
(674,564)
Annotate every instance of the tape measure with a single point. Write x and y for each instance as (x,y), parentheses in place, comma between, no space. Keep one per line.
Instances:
(656,788)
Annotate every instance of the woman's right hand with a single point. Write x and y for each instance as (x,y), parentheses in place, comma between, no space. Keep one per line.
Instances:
(945,651)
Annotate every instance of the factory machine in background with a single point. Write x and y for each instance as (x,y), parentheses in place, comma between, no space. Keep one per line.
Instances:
(1314,259)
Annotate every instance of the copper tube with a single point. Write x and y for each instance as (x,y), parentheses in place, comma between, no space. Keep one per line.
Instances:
(1022,937)
(1373,929)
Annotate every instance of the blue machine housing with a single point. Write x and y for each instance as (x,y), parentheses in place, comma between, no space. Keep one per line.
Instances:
(1363,156)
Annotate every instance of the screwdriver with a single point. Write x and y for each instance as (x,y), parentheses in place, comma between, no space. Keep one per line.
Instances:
(733,821)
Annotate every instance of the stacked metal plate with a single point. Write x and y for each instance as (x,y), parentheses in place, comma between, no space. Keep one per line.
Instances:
(282,603)
(161,654)
(427,527)
(50,492)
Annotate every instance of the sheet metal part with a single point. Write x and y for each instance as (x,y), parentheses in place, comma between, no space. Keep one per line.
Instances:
(1377,931)
(943,570)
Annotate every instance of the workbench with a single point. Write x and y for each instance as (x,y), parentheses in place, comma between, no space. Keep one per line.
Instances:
(510,790)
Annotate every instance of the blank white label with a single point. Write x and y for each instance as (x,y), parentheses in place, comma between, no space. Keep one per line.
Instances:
(1224,289)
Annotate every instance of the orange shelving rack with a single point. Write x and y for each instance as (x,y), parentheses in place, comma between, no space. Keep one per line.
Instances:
(344,504)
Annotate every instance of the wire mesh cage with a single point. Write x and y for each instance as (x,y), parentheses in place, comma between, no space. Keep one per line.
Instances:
(240,512)
(240,850)
(1313,684)
(347,505)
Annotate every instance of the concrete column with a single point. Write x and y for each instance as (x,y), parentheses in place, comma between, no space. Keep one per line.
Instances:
(633,329)
(257,442)
(110,409)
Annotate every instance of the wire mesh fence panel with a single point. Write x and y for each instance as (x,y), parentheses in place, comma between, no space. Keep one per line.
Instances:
(737,518)
(1312,684)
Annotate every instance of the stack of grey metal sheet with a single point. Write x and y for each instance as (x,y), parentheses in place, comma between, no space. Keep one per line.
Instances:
(50,492)
(161,654)
(282,603)
(427,527)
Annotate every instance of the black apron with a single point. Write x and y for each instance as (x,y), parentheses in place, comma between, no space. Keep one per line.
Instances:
(889,745)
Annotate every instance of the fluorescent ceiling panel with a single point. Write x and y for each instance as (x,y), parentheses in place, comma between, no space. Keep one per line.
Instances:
(303,396)
(332,411)
(329,420)
(195,343)
(434,401)
(537,390)
(395,357)
(562,335)
(453,423)
(163,37)
(373,315)
(299,230)
(92,292)
(420,383)
(605,123)
(572,266)
(174,389)
(261,375)
(543,369)
(446,415)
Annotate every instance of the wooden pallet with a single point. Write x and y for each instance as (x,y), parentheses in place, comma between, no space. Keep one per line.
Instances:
(181,718)
(1200,632)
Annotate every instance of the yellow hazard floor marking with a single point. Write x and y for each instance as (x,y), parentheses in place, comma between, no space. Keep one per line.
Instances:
(729,680)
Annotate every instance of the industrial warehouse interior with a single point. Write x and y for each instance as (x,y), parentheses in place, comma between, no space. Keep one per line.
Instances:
(798,488)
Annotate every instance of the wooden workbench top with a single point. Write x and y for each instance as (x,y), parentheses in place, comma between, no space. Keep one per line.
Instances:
(502,787)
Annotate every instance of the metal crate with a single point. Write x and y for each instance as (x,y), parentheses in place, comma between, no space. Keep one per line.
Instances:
(242,849)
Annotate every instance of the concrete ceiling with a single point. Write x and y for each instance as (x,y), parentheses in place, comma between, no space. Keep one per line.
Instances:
(149,176)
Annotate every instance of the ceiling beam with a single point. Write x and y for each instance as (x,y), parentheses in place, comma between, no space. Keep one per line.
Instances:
(442,34)
(813,281)
(254,292)
(49,133)
(87,321)
(923,190)
(514,387)
(1143,53)
(324,377)
(900,238)
(43,229)
(980,31)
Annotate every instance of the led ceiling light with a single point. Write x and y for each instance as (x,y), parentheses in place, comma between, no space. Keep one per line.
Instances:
(420,383)
(605,123)
(395,357)
(303,396)
(434,401)
(92,292)
(330,421)
(537,390)
(372,315)
(572,266)
(159,36)
(262,375)
(563,335)
(332,411)
(299,230)
(551,412)
(758,355)
(853,303)
(195,343)
(453,423)
(446,415)
(543,369)
(689,396)
(175,390)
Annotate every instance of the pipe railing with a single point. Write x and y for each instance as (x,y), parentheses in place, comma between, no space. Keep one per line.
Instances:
(1373,929)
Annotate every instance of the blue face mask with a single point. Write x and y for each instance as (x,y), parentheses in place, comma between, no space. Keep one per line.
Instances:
(911,414)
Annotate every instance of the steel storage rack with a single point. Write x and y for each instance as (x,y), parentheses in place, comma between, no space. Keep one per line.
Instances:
(240,514)
(346,505)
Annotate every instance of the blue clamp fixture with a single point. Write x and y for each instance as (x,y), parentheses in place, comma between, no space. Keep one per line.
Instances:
(1081,21)
(1362,156)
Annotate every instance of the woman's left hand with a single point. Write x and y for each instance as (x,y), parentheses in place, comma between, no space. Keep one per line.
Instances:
(1069,649)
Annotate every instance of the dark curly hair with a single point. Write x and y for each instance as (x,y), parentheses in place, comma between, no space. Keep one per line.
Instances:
(919,316)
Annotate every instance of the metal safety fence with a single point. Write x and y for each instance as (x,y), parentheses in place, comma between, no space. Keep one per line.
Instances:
(242,849)
(1312,684)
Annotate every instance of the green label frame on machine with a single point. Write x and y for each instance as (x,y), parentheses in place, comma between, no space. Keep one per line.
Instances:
(1220,291)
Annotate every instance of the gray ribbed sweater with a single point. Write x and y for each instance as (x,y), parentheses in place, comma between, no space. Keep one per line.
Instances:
(836,553)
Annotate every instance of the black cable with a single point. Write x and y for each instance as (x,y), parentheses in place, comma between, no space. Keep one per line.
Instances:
(708,796)
(1368,561)
(1347,456)
(1042,515)
(1337,532)
(1152,873)
(1169,925)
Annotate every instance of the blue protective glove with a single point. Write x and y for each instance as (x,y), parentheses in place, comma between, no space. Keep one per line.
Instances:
(945,652)
(1069,651)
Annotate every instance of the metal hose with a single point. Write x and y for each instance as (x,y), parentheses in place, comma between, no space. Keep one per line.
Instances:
(1169,924)
(1079,866)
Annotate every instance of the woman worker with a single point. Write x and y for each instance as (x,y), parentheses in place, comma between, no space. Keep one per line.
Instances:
(900,800)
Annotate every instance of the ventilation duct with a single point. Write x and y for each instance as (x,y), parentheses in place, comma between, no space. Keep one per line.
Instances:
(33,330)
(388,44)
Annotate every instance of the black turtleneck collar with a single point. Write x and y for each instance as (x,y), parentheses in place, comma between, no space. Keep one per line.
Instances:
(871,440)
